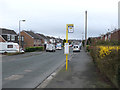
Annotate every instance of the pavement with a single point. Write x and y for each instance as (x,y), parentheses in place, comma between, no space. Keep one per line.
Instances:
(81,73)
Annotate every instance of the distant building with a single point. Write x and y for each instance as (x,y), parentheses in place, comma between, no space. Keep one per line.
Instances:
(31,39)
(8,35)
(115,35)
(44,38)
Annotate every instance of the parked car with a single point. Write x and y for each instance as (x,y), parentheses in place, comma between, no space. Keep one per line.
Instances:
(50,47)
(9,47)
(76,48)
(58,46)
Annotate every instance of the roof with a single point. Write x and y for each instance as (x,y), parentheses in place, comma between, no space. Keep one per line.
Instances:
(48,37)
(32,34)
(7,31)
(42,36)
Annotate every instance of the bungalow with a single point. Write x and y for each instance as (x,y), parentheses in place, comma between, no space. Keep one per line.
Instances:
(8,35)
(31,39)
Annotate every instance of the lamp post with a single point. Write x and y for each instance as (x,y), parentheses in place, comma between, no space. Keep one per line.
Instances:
(82,36)
(19,33)
(85,29)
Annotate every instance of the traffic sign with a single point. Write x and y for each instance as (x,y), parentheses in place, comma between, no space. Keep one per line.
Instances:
(70,28)
(66,48)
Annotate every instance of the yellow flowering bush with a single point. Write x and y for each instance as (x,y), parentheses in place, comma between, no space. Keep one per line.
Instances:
(107,59)
(106,50)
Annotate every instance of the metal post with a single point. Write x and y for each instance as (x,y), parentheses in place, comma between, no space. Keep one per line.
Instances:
(19,35)
(82,36)
(66,42)
(85,28)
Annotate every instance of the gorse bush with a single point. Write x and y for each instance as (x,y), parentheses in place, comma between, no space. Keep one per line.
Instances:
(32,49)
(106,50)
(107,60)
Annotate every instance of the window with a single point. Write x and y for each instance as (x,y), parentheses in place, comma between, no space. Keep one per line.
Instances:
(13,37)
(109,36)
(8,37)
(18,38)
(9,46)
(22,37)
(75,46)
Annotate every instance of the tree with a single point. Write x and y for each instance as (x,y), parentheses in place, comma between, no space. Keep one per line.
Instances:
(64,41)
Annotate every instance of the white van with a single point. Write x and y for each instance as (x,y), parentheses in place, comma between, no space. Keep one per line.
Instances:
(9,47)
(58,46)
(50,47)
(76,48)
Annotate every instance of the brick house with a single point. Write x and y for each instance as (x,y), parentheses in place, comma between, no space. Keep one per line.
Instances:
(115,35)
(8,35)
(44,39)
(107,36)
(31,39)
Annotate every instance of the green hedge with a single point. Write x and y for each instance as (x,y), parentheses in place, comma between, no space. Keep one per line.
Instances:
(111,43)
(109,65)
(32,49)
(88,48)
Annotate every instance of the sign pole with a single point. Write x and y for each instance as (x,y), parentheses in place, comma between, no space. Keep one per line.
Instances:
(85,29)
(66,42)
(69,29)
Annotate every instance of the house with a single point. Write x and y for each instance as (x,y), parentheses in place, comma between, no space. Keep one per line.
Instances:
(44,38)
(8,35)
(115,35)
(31,39)
(48,38)
(58,40)
(52,40)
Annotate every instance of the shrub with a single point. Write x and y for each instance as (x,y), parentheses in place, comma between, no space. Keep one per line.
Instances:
(88,48)
(111,43)
(108,61)
(17,53)
(32,49)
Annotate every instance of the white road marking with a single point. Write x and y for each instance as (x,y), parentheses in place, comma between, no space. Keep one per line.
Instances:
(14,77)
(28,70)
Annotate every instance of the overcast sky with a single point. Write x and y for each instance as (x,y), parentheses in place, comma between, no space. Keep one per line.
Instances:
(50,17)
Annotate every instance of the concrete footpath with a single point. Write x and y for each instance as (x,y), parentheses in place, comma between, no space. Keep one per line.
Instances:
(81,73)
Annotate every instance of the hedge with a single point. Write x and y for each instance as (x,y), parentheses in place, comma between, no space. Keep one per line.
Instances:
(109,65)
(32,49)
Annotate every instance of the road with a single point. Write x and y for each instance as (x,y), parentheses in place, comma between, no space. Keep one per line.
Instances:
(28,71)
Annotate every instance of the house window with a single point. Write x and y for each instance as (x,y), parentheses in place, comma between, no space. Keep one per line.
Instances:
(18,38)
(9,46)
(109,36)
(22,37)
(13,37)
(8,37)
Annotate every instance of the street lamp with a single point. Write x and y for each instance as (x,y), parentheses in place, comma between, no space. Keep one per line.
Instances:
(19,32)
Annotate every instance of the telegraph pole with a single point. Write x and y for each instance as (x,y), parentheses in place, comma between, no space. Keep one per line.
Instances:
(85,28)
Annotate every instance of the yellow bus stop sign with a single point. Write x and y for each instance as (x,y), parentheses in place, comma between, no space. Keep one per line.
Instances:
(70,28)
